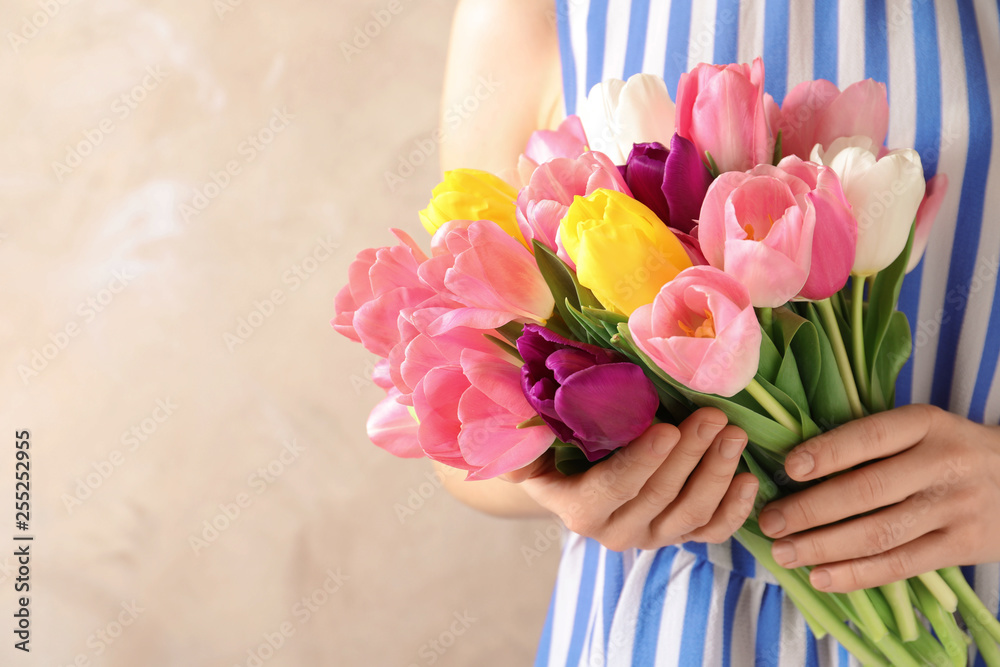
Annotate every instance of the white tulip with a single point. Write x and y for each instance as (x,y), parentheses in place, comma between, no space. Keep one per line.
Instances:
(618,114)
(884,193)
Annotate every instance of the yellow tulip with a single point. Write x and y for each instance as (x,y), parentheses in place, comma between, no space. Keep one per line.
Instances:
(470,194)
(623,253)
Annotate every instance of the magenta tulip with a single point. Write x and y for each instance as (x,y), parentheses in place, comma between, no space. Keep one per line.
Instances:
(757,230)
(469,416)
(721,110)
(671,182)
(544,202)
(591,397)
(817,112)
(479,265)
(702,331)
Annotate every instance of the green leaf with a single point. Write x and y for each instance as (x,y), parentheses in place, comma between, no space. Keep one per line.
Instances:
(504,345)
(770,358)
(595,331)
(565,289)
(893,353)
(712,167)
(795,339)
(777,150)
(882,299)
(511,331)
(570,460)
(828,402)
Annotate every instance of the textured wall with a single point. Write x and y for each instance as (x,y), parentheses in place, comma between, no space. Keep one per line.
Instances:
(182,187)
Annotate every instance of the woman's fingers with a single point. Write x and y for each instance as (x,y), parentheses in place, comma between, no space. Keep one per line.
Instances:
(732,512)
(861,537)
(856,442)
(704,489)
(872,486)
(586,501)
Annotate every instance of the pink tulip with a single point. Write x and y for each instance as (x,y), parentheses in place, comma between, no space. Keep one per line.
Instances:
(381,283)
(420,351)
(393,428)
(702,331)
(721,110)
(544,202)
(937,187)
(758,231)
(835,236)
(479,265)
(469,414)
(816,112)
(568,141)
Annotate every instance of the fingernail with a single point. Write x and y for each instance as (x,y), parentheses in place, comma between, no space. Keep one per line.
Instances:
(820,579)
(662,445)
(748,490)
(730,448)
(708,430)
(783,552)
(800,464)
(771,522)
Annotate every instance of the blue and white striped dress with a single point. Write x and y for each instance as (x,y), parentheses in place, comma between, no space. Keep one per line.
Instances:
(703,604)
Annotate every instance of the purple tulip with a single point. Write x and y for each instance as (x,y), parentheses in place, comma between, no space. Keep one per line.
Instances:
(671,182)
(589,396)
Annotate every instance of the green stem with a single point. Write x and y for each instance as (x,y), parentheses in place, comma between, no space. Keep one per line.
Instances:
(988,650)
(858,336)
(898,597)
(943,623)
(774,408)
(840,352)
(808,596)
(969,605)
(940,590)
(870,620)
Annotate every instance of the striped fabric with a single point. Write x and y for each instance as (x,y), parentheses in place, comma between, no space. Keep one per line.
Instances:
(705,604)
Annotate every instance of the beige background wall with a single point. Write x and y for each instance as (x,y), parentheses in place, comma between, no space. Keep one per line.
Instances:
(139,226)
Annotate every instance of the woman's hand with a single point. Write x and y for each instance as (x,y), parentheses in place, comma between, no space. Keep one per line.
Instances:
(670,485)
(928,490)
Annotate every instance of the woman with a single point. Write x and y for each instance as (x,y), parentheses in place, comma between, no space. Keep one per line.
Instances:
(649,574)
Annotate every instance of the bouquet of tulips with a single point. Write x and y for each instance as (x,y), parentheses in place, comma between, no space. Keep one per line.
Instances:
(647,259)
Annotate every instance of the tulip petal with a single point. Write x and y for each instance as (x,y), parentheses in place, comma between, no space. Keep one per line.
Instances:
(937,187)
(392,427)
(801,115)
(435,400)
(604,425)
(771,277)
(685,182)
(712,221)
